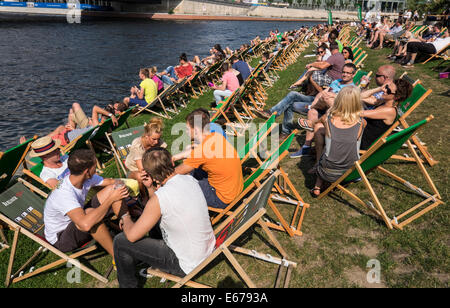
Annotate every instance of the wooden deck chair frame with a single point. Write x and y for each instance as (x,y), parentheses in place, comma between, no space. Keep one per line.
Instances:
(134,131)
(435,55)
(266,167)
(285,192)
(253,143)
(249,213)
(367,164)
(18,229)
(224,108)
(159,100)
(405,109)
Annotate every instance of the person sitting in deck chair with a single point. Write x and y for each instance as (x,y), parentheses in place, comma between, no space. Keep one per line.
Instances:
(55,166)
(146,93)
(151,138)
(242,67)
(384,75)
(78,123)
(381,118)
(432,47)
(333,66)
(173,74)
(337,136)
(229,83)
(214,162)
(179,209)
(69,222)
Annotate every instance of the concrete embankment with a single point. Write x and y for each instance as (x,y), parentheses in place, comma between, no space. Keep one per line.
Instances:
(197,8)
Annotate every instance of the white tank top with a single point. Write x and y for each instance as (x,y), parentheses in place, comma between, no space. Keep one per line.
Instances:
(185,223)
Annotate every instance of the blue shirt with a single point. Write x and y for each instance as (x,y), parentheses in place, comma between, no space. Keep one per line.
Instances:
(243,68)
(216,128)
(336,85)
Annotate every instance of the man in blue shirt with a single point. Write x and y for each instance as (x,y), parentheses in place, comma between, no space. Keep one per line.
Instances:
(322,102)
(241,66)
(300,103)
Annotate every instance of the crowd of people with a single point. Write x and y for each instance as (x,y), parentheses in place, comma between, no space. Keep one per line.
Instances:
(172,230)
(408,40)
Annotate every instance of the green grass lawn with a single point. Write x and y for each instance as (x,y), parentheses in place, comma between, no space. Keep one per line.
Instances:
(339,237)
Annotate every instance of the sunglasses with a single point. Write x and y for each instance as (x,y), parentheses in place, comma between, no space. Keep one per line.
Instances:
(379,75)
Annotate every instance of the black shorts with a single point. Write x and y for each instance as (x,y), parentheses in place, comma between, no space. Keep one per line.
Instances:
(73,238)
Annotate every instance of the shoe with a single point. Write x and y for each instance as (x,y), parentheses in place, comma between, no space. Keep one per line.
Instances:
(262,113)
(303,123)
(408,65)
(304,151)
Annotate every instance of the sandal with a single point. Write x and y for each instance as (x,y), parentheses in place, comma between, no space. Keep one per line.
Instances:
(303,123)
(313,192)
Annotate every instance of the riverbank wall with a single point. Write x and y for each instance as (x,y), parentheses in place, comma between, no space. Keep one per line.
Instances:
(192,10)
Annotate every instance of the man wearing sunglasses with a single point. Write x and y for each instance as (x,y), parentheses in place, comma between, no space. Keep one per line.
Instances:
(384,75)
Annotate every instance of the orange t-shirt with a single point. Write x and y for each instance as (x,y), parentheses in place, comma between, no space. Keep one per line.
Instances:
(217,157)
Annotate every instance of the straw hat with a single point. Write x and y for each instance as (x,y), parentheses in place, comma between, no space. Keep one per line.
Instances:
(44,146)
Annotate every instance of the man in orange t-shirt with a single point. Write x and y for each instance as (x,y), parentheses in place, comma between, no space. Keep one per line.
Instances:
(213,162)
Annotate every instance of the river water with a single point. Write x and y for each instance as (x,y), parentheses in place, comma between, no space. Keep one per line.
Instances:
(46,66)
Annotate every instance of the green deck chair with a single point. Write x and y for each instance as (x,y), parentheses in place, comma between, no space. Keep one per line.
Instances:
(404,109)
(254,180)
(248,214)
(22,210)
(10,161)
(359,75)
(377,154)
(79,142)
(264,130)
(120,142)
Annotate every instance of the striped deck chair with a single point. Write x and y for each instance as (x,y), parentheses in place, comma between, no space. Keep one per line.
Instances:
(22,210)
(372,160)
(249,213)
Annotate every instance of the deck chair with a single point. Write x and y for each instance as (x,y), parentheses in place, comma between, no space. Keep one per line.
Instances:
(225,109)
(250,147)
(279,193)
(372,160)
(10,161)
(120,143)
(359,75)
(404,109)
(159,102)
(79,142)
(437,54)
(22,210)
(249,213)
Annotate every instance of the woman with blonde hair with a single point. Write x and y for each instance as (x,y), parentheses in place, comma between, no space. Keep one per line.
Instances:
(150,139)
(338,137)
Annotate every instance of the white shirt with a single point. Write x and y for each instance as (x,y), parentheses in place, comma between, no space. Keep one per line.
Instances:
(55,173)
(185,223)
(62,200)
(441,43)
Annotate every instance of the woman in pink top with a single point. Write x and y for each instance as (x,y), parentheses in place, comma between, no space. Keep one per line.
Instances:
(229,84)
(155,78)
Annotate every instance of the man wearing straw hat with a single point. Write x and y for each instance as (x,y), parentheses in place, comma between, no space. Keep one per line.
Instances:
(55,165)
